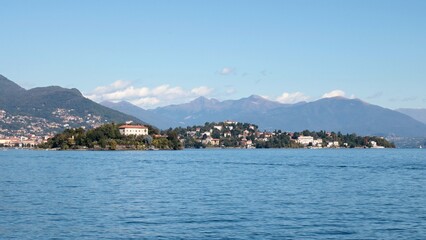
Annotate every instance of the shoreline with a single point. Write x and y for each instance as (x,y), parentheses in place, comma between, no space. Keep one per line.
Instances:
(209,148)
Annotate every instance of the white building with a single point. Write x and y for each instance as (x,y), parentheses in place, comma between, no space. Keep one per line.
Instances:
(206,133)
(317,142)
(374,145)
(305,140)
(211,141)
(333,144)
(218,127)
(133,130)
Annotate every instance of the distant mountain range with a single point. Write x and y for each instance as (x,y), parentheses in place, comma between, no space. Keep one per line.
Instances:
(147,116)
(419,114)
(42,101)
(331,114)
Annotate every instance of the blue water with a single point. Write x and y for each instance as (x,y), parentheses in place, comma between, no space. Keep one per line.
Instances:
(214,194)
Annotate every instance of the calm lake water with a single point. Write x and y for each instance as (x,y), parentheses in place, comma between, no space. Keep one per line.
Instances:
(214,194)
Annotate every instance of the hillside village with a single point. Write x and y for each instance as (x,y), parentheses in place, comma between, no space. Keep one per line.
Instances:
(28,117)
(29,131)
(232,134)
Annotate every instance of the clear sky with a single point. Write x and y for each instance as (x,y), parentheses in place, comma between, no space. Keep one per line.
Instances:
(157,52)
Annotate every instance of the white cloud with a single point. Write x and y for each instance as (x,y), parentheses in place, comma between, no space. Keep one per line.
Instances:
(290,98)
(130,92)
(169,93)
(334,93)
(226,71)
(146,102)
(119,84)
(144,96)
(167,90)
(201,91)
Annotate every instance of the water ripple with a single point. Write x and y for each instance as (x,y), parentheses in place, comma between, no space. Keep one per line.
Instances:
(210,194)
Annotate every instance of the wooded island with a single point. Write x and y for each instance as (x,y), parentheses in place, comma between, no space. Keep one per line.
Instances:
(228,134)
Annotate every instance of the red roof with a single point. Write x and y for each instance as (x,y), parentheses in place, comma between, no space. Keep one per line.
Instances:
(132,126)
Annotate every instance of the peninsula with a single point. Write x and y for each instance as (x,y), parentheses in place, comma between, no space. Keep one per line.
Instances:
(227,134)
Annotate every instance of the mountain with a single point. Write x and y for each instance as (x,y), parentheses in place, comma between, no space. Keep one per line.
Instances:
(203,110)
(53,107)
(44,102)
(347,116)
(10,92)
(418,114)
(140,113)
(332,114)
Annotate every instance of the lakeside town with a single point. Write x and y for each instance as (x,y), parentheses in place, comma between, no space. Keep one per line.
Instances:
(31,132)
(245,135)
(24,131)
(227,134)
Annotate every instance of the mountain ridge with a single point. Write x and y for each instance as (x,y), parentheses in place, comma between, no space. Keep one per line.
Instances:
(331,114)
(42,102)
(140,113)
(417,113)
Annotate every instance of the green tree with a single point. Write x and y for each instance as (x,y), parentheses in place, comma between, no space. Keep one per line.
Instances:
(112,144)
(102,142)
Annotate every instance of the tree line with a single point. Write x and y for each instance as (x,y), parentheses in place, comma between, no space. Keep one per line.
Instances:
(108,137)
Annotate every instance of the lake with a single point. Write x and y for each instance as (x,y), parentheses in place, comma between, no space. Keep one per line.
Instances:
(214,194)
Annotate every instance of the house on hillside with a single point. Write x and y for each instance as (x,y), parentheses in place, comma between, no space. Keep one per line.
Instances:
(246,143)
(214,142)
(267,134)
(375,145)
(317,142)
(334,144)
(138,130)
(305,140)
(210,141)
(218,127)
(230,122)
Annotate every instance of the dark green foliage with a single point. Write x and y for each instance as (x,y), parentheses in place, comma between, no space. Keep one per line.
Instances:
(278,141)
(108,137)
(216,133)
(161,143)
(173,139)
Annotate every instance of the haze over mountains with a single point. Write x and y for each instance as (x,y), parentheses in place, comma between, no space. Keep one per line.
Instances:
(419,114)
(331,114)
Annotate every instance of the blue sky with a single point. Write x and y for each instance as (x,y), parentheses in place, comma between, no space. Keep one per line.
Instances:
(154,53)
